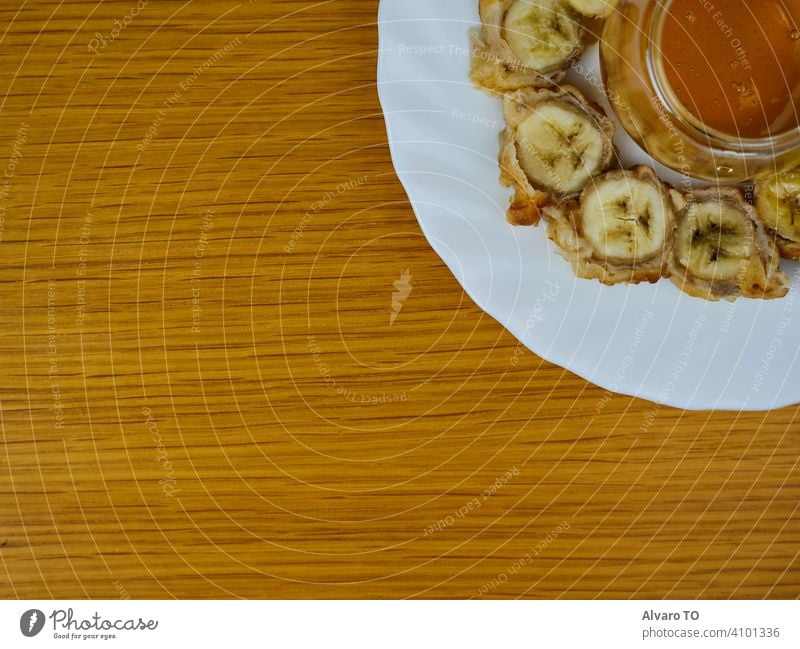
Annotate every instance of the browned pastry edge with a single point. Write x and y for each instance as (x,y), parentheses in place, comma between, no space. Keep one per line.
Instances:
(762,278)
(599,17)
(789,249)
(496,75)
(494,67)
(564,230)
(528,203)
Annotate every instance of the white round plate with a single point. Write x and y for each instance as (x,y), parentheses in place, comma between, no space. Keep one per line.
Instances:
(650,341)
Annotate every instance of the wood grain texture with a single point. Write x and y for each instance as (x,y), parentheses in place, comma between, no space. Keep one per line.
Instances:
(202,392)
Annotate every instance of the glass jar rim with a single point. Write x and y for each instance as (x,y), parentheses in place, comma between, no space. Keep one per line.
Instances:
(716,138)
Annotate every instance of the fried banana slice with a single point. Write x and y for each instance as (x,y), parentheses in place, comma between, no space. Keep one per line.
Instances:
(524,43)
(778,205)
(620,231)
(722,250)
(491,72)
(543,34)
(593,8)
(553,144)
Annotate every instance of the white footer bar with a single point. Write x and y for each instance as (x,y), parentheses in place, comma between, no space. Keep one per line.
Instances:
(399,624)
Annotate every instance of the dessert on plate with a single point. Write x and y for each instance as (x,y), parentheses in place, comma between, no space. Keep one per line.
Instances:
(615,225)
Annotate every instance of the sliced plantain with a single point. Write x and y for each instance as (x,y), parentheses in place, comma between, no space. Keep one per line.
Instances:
(722,250)
(523,43)
(620,231)
(593,8)
(778,204)
(553,144)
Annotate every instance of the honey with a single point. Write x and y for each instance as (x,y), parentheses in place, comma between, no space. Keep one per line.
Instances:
(735,64)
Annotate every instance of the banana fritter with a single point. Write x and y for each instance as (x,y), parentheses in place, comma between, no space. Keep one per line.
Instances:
(620,231)
(524,43)
(778,203)
(553,143)
(722,250)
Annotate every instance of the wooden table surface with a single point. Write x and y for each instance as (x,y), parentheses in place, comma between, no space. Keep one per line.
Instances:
(209,390)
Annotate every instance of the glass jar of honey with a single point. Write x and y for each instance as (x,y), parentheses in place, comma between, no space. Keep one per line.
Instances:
(710,88)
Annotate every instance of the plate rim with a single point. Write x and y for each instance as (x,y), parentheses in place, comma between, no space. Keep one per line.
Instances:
(553,357)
